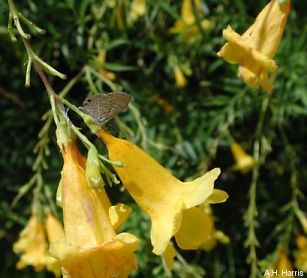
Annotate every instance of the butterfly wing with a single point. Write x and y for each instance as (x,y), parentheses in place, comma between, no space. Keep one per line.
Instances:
(116,103)
(105,107)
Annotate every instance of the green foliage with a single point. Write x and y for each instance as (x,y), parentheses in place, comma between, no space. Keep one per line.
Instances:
(189,139)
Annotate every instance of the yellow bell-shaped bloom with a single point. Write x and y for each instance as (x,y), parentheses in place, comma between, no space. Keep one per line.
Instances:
(300,254)
(244,162)
(179,77)
(91,247)
(162,196)
(100,60)
(32,245)
(283,266)
(187,14)
(138,9)
(255,49)
(165,105)
(186,25)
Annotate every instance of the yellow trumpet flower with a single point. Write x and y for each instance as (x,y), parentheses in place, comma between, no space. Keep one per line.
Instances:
(284,266)
(91,247)
(186,26)
(165,105)
(138,9)
(244,162)
(300,254)
(162,196)
(187,14)
(255,49)
(179,77)
(100,60)
(32,245)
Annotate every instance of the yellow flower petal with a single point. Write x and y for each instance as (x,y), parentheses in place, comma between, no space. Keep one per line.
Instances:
(166,106)
(54,229)
(209,244)
(207,25)
(283,264)
(221,237)
(55,232)
(138,9)
(187,13)
(244,162)
(218,196)
(100,60)
(186,25)
(255,49)
(53,265)
(179,77)
(169,255)
(108,74)
(300,254)
(118,215)
(111,259)
(196,227)
(197,230)
(156,191)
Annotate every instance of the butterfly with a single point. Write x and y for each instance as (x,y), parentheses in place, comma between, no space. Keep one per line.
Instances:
(104,107)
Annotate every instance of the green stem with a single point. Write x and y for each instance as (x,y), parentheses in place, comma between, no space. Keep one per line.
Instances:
(14,13)
(23,190)
(90,80)
(87,143)
(73,107)
(10,28)
(36,205)
(113,163)
(112,85)
(197,19)
(109,175)
(293,209)
(31,24)
(251,213)
(28,73)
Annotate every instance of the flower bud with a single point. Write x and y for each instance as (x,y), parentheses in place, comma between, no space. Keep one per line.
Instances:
(92,170)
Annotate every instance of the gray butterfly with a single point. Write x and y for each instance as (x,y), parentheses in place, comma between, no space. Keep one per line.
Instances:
(104,107)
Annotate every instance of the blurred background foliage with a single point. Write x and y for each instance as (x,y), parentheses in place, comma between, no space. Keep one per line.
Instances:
(185,125)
